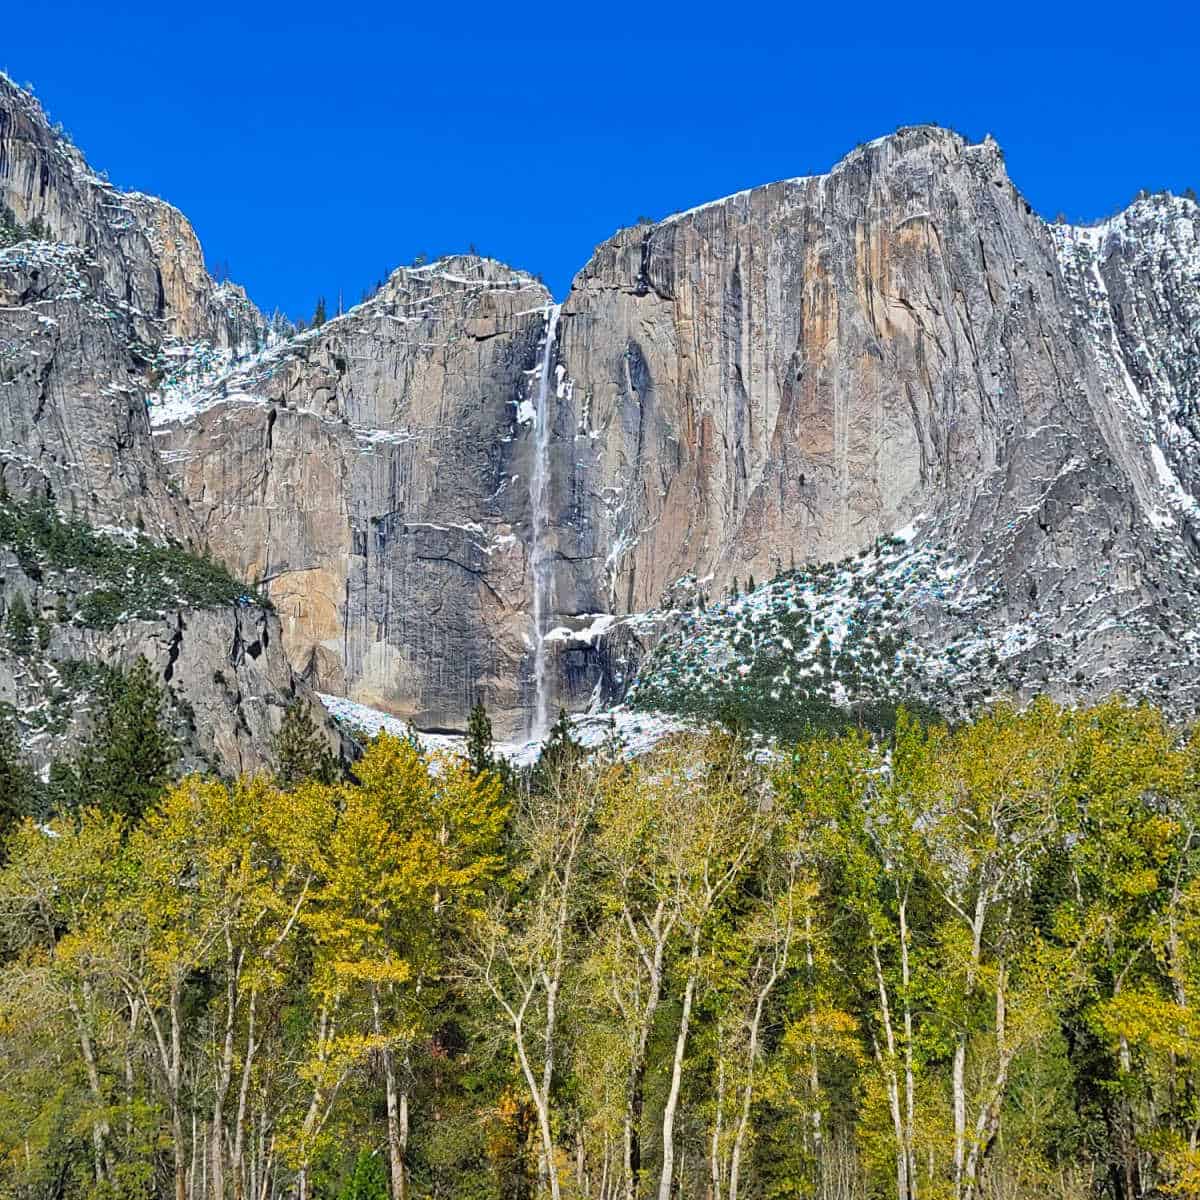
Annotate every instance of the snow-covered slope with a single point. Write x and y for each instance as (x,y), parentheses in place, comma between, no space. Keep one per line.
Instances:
(622,729)
(1135,283)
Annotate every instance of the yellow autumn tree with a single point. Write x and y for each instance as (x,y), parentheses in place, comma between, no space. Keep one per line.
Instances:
(414,845)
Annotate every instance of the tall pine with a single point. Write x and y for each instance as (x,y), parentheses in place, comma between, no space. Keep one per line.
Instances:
(479,740)
(20,794)
(300,751)
(560,755)
(20,625)
(128,760)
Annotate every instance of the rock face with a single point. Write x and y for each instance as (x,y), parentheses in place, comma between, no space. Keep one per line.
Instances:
(223,669)
(110,292)
(73,383)
(785,375)
(373,474)
(778,378)
(1135,283)
(147,253)
(800,368)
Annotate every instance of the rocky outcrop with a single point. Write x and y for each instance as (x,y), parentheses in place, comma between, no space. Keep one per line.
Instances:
(101,292)
(786,375)
(147,252)
(795,370)
(779,377)
(1135,283)
(73,387)
(224,671)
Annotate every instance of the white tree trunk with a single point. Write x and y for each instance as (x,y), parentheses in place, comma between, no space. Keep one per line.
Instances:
(689,992)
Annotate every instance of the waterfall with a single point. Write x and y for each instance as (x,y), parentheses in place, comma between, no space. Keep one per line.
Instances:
(539,486)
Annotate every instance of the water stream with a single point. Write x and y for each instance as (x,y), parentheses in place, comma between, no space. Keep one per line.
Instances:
(539,501)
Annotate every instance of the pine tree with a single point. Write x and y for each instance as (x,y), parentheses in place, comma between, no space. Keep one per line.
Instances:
(479,740)
(319,313)
(129,757)
(61,793)
(750,584)
(20,625)
(20,794)
(825,654)
(299,750)
(560,755)
(368,1181)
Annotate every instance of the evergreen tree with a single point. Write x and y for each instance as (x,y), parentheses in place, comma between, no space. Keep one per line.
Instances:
(129,757)
(560,755)
(20,794)
(20,625)
(62,788)
(368,1181)
(750,584)
(479,740)
(300,751)
(825,655)
(319,313)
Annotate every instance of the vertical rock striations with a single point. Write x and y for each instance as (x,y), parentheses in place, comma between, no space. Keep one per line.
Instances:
(374,475)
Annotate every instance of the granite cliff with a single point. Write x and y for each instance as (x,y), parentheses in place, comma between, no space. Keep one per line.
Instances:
(100,290)
(460,490)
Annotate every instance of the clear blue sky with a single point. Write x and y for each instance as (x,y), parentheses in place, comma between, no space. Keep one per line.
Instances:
(315,146)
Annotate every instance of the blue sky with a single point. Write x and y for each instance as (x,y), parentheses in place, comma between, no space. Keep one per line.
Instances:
(316,146)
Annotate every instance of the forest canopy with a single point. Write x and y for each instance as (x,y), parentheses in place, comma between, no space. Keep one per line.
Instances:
(942,963)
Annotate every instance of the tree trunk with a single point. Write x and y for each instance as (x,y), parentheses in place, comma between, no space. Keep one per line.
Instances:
(958,1083)
(239,1131)
(541,1106)
(403,1139)
(636,1090)
(180,1164)
(739,1140)
(888,1064)
(909,1074)
(100,1127)
(814,1075)
(175,1080)
(988,1122)
(395,1155)
(689,991)
(718,1126)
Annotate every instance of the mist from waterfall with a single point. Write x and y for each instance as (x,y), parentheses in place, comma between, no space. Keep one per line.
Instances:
(539,499)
